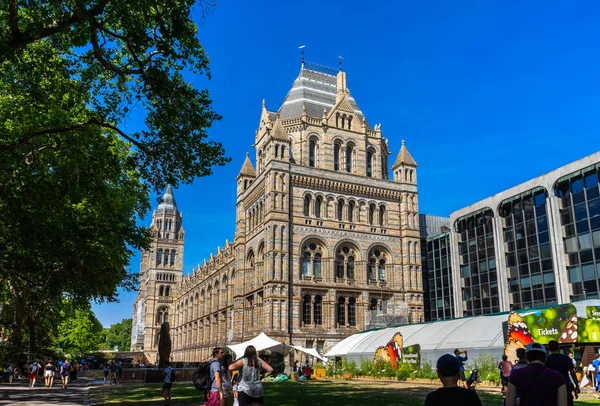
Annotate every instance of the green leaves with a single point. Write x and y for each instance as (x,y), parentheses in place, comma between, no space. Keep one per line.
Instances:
(118,335)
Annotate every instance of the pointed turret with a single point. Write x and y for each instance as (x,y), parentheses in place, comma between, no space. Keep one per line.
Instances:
(404,167)
(278,132)
(167,202)
(247,168)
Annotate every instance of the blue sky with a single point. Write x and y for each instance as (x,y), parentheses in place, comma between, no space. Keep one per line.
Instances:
(486,94)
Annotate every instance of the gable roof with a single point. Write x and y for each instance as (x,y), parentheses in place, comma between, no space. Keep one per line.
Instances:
(247,168)
(317,91)
(404,157)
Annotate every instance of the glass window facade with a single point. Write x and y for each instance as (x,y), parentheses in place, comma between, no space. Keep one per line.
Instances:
(527,250)
(439,291)
(477,261)
(579,196)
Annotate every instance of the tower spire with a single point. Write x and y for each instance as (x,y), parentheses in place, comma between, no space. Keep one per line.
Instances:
(302,48)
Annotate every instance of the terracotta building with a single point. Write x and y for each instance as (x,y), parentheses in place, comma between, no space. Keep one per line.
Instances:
(326,244)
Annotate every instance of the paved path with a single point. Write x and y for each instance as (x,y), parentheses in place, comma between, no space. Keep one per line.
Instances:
(19,393)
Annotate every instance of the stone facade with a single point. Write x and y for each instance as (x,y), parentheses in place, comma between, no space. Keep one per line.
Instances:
(160,275)
(325,245)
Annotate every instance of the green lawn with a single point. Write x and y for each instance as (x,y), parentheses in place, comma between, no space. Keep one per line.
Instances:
(291,394)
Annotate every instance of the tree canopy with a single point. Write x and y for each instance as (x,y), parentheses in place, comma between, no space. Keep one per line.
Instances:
(73,177)
(117,336)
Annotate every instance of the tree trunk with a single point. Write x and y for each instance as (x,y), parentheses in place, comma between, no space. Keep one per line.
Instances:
(31,353)
(17,328)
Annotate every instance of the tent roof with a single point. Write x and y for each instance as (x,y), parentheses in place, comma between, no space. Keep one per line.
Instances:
(468,332)
(260,342)
(311,351)
(479,332)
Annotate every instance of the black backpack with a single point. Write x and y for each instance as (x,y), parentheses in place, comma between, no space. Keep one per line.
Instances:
(201,376)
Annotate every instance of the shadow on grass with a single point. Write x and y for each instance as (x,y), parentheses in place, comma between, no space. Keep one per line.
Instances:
(283,394)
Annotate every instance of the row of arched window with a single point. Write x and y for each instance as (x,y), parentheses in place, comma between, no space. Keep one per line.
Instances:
(165,277)
(162,315)
(164,290)
(344,263)
(168,225)
(162,257)
(345,211)
(312,311)
(344,158)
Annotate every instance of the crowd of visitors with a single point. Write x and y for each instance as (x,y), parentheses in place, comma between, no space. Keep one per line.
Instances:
(47,372)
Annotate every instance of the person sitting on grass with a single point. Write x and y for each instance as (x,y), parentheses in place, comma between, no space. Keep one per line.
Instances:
(448,370)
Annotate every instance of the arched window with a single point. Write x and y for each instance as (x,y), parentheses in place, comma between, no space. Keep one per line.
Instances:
(339,267)
(317,264)
(352,312)
(172,257)
(340,210)
(162,316)
(161,291)
(369,163)
(307,200)
(341,312)
(312,146)
(167,291)
(381,269)
(159,257)
(318,310)
(350,268)
(318,205)
(371,270)
(372,214)
(306,310)
(349,150)
(306,264)
(373,305)
(336,157)
(381,215)
(351,211)
(166,259)
(343,120)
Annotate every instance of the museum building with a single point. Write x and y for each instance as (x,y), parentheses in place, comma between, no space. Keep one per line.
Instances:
(326,243)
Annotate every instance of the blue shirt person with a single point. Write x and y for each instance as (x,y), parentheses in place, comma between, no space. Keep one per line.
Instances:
(461,362)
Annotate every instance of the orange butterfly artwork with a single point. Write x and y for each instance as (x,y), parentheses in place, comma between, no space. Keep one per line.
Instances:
(518,336)
(392,351)
(569,332)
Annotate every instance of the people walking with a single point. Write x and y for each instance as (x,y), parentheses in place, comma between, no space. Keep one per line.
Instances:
(521,359)
(250,389)
(113,372)
(563,364)
(226,378)
(215,393)
(461,362)
(49,371)
(165,391)
(64,373)
(448,370)
(105,369)
(33,372)
(505,367)
(536,385)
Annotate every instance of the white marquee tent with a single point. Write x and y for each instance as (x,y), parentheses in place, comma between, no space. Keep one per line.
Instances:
(261,342)
(480,335)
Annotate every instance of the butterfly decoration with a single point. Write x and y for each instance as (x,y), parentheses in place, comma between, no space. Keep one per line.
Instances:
(519,335)
(391,352)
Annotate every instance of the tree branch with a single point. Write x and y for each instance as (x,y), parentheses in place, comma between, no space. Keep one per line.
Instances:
(13,20)
(91,122)
(20,40)
(98,53)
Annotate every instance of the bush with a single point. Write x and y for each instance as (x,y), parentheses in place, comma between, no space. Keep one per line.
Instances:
(405,371)
(488,368)
(349,366)
(426,371)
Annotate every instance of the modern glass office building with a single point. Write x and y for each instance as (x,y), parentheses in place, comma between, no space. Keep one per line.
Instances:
(536,244)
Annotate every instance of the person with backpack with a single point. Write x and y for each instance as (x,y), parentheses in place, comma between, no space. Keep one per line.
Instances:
(250,389)
(33,372)
(48,374)
(536,385)
(214,391)
(169,374)
(226,378)
(64,373)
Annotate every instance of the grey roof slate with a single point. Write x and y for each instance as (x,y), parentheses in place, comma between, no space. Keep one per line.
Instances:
(167,202)
(317,91)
